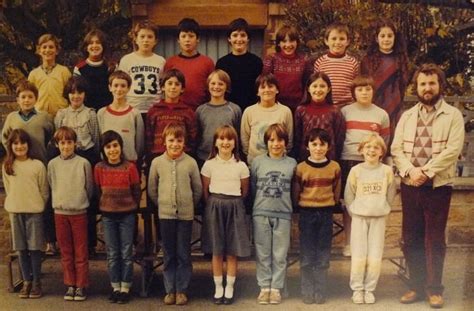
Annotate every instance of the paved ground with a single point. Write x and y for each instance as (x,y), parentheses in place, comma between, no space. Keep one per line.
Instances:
(459,293)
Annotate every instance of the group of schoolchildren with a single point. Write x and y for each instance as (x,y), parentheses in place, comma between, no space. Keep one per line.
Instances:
(155,114)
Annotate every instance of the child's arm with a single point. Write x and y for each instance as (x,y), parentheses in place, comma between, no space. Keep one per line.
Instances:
(205,180)
(6,130)
(385,128)
(268,64)
(135,184)
(94,129)
(339,128)
(6,180)
(244,186)
(351,188)
(149,135)
(43,185)
(337,185)
(153,182)
(59,118)
(253,179)
(298,135)
(139,135)
(245,132)
(205,187)
(237,118)
(192,130)
(48,129)
(100,118)
(50,173)
(199,124)
(356,69)
(392,187)
(97,183)
(289,128)
(89,186)
(196,184)
(295,190)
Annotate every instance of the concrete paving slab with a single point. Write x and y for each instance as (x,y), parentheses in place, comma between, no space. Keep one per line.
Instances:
(458,280)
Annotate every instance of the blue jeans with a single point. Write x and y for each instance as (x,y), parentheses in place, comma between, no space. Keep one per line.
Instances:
(118,234)
(176,243)
(30,265)
(272,240)
(315,249)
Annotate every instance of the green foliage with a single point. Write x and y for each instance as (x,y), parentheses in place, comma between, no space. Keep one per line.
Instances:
(22,22)
(431,32)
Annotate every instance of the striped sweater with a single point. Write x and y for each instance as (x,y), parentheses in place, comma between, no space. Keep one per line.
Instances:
(360,122)
(341,72)
(317,184)
(118,187)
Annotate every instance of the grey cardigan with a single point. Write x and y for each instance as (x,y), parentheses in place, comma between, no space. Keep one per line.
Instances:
(175,186)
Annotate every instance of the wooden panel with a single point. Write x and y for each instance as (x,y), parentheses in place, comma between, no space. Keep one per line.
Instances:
(212,43)
(209,14)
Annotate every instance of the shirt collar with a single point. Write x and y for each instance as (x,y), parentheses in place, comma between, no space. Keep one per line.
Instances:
(219,159)
(435,106)
(28,115)
(78,109)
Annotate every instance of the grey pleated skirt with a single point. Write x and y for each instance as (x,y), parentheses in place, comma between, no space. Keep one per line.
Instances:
(225,231)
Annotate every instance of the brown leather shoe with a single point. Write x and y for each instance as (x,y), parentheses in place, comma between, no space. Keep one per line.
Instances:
(436,301)
(410,297)
(25,290)
(181,299)
(170,299)
(36,291)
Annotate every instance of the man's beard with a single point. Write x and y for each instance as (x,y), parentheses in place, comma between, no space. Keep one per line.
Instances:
(431,101)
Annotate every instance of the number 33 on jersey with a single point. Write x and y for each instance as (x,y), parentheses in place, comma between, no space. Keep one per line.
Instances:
(145,73)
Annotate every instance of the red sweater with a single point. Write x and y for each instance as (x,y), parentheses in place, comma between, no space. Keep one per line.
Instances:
(159,116)
(291,71)
(119,187)
(196,69)
(319,115)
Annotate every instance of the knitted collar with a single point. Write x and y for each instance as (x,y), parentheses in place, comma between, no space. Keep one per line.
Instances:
(317,165)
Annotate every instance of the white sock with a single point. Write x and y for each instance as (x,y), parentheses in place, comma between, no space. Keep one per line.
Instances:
(219,288)
(116,287)
(124,289)
(229,286)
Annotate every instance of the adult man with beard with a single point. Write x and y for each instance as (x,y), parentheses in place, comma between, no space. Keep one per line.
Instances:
(428,140)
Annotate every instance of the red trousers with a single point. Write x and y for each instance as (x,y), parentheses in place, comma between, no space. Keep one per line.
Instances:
(71,233)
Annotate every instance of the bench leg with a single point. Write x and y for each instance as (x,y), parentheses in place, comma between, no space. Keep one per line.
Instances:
(13,284)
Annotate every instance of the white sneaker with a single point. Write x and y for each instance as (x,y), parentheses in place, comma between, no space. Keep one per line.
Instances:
(369,297)
(358,297)
(346,251)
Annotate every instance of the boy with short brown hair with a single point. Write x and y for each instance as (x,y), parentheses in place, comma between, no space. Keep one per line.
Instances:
(195,66)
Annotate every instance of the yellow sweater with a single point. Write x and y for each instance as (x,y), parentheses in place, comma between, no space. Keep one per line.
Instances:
(50,87)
